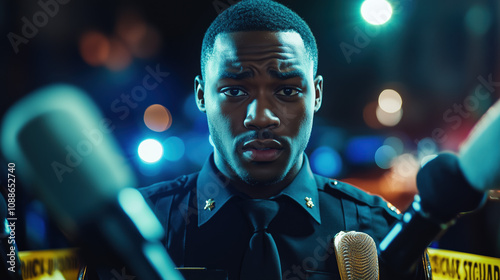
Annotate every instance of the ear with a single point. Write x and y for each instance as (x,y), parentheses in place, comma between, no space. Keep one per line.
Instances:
(318,90)
(199,93)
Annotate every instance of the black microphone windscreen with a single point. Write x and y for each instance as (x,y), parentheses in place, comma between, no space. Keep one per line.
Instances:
(65,152)
(443,189)
(63,145)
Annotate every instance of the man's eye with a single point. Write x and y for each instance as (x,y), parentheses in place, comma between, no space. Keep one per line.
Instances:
(234,92)
(288,92)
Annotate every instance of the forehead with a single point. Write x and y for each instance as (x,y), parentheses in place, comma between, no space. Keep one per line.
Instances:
(281,49)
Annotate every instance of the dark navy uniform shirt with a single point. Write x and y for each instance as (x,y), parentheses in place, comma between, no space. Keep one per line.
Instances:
(205,227)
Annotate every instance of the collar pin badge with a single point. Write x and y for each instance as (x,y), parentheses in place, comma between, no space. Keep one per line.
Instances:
(309,202)
(209,204)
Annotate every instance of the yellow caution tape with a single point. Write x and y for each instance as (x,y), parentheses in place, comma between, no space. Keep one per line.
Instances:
(456,265)
(60,264)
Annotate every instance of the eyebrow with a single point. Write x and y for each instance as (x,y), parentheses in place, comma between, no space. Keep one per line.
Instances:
(236,76)
(287,75)
(273,73)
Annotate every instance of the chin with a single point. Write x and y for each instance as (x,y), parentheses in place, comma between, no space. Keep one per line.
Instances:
(262,178)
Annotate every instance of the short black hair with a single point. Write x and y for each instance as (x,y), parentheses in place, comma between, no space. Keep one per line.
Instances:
(258,15)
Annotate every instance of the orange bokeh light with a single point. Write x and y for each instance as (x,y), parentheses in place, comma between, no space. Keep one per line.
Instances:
(94,48)
(157,118)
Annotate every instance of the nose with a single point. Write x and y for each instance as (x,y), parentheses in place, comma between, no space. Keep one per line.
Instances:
(260,115)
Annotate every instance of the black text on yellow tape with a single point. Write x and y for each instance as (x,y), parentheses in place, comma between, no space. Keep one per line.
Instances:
(455,265)
(38,264)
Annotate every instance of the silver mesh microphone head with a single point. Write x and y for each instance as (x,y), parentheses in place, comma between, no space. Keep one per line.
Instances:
(357,257)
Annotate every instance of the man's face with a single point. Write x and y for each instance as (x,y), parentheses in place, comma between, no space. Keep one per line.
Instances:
(260,96)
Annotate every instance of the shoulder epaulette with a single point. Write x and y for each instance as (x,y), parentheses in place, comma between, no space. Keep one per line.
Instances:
(166,188)
(361,196)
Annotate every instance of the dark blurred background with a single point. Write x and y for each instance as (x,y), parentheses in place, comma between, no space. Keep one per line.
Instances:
(439,59)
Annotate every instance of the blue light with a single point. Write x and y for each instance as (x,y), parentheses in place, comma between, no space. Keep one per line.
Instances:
(384,156)
(35,226)
(133,203)
(396,143)
(326,161)
(390,236)
(407,217)
(361,150)
(174,148)
(426,147)
(150,150)
(478,19)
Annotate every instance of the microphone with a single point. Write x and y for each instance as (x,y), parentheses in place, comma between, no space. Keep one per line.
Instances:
(64,149)
(356,255)
(444,193)
(448,186)
(10,269)
(479,156)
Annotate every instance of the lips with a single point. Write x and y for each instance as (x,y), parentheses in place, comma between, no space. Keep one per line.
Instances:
(262,150)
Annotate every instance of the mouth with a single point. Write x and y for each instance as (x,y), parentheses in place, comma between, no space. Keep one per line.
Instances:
(262,150)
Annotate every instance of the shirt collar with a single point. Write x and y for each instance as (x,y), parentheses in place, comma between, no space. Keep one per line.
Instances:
(213,191)
(304,191)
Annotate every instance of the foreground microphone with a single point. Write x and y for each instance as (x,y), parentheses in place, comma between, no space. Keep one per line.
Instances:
(444,193)
(479,156)
(62,145)
(356,254)
(10,268)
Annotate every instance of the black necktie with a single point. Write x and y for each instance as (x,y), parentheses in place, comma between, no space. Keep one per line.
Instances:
(261,260)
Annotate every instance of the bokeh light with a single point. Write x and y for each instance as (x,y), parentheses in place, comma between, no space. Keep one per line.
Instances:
(395,143)
(150,150)
(94,48)
(141,38)
(119,56)
(326,161)
(390,101)
(384,156)
(405,166)
(157,118)
(174,148)
(376,12)
(361,149)
(427,150)
(478,19)
(426,146)
(388,119)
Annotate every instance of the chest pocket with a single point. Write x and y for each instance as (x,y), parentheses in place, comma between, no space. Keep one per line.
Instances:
(356,216)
